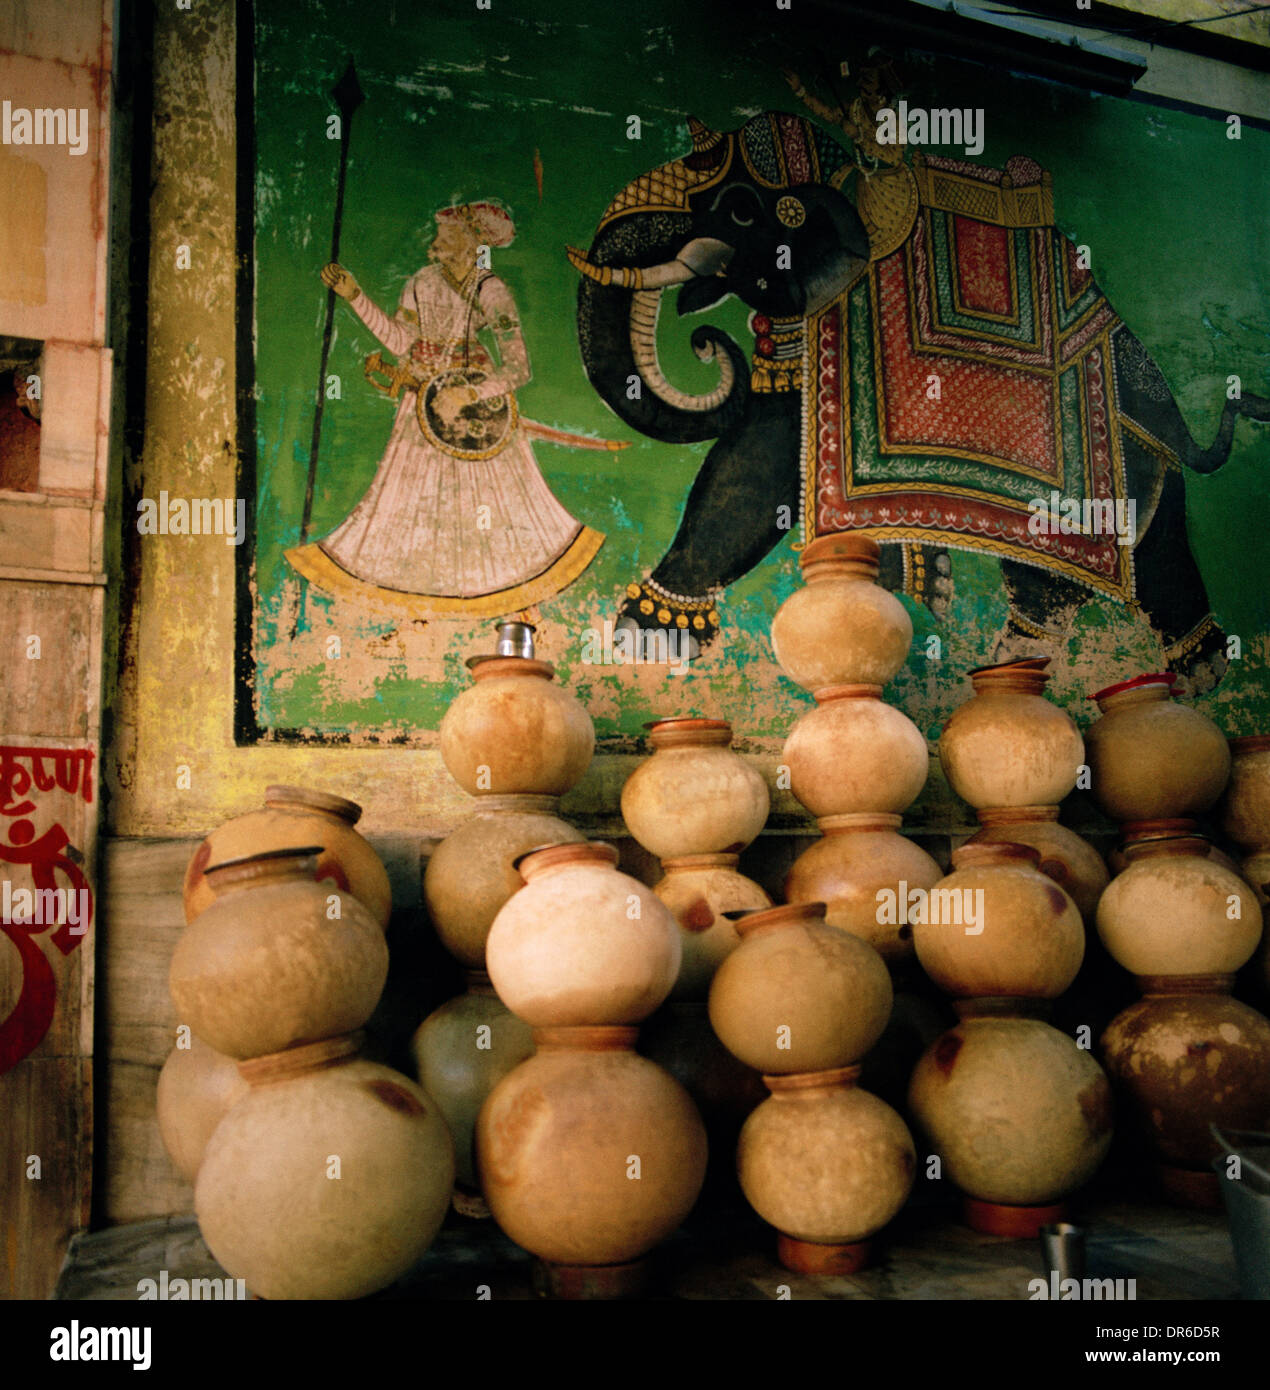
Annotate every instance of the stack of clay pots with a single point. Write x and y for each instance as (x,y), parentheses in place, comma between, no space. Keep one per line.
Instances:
(1019,1115)
(331,1175)
(854,762)
(823,1161)
(1013,755)
(588,1153)
(1187,1055)
(198,1084)
(516,742)
(1245,808)
(696,805)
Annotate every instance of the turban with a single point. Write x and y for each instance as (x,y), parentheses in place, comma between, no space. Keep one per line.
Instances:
(491,224)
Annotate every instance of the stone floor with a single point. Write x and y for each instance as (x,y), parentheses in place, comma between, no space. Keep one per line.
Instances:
(1171,1253)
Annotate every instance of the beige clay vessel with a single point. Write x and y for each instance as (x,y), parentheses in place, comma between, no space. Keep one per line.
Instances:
(582,943)
(841,627)
(278,959)
(699,889)
(1170,911)
(798,995)
(291,818)
(1008,745)
(274,1209)
(853,753)
(516,731)
(1017,1112)
(694,795)
(1028,940)
(472,872)
(1151,758)
(823,1161)
(1072,862)
(1245,807)
(589,1154)
(862,855)
(196,1088)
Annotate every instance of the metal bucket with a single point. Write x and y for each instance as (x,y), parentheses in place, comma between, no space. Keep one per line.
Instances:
(1247,1199)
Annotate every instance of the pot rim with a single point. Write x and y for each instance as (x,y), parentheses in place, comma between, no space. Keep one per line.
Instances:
(483,667)
(995,851)
(841,545)
(749,919)
(562,852)
(1139,682)
(1249,743)
(265,857)
(287,793)
(1022,663)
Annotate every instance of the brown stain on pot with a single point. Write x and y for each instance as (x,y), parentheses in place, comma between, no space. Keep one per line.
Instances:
(946,1050)
(1058,900)
(394,1096)
(698,916)
(1095,1107)
(512,1130)
(331,869)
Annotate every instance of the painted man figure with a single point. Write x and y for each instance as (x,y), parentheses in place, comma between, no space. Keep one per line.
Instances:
(458,520)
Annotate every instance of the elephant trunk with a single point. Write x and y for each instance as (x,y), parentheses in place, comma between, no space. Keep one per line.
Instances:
(617,332)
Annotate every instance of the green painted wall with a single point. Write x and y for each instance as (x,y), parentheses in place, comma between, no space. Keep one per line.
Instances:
(1176,214)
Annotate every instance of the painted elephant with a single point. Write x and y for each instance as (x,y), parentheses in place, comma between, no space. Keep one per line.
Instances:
(931,363)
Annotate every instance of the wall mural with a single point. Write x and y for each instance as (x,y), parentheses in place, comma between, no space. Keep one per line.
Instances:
(878,333)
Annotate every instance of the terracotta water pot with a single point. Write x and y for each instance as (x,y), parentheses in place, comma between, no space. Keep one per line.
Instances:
(798,995)
(516,731)
(694,795)
(582,943)
(589,1154)
(328,1180)
(861,855)
(293,817)
(462,1051)
(1185,1056)
(1180,827)
(196,1088)
(699,889)
(1073,863)
(842,627)
(826,1164)
(1008,745)
(278,959)
(472,872)
(1023,938)
(1151,758)
(1019,1115)
(1170,912)
(854,753)
(1245,807)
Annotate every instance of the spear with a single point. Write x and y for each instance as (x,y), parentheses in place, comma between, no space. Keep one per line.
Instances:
(348,96)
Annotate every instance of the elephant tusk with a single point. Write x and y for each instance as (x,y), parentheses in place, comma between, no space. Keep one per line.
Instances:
(625,277)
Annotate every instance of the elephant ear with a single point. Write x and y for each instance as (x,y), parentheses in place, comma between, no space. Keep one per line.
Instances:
(701,294)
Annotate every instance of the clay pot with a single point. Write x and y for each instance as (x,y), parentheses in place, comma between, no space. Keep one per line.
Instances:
(842,628)
(694,795)
(558,1140)
(1073,863)
(861,855)
(1183,1061)
(1017,1112)
(276,1213)
(1245,808)
(824,1162)
(472,872)
(292,818)
(1151,758)
(514,731)
(278,959)
(1008,745)
(699,889)
(582,943)
(1026,940)
(196,1088)
(462,1051)
(1169,912)
(798,995)
(854,753)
